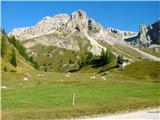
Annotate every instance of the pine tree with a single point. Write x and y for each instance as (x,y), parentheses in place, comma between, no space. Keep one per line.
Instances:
(3,46)
(19,47)
(120,60)
(13,60)
(3,31)
(70,61)
(34,63)
(106,57)
(89,57)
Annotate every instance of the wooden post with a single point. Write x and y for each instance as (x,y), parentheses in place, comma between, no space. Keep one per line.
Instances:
(73,99)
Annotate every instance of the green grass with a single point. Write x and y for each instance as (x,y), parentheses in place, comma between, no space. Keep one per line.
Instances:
(128,51)
(143,70)
(61,56)
(151,51)
(50,96)
(121,50)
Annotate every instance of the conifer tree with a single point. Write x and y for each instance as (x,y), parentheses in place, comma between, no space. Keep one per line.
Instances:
(13,60)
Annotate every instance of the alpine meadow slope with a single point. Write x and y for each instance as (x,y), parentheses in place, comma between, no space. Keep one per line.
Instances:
(108,70)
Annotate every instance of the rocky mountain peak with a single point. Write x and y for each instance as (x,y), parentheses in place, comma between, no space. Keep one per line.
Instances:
(78,15)
(57,19)
(78,21)
(155,32)
(147,35)
(45,26)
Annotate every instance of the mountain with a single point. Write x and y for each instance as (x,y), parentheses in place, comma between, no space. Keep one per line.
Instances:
(64,41)
(148,35)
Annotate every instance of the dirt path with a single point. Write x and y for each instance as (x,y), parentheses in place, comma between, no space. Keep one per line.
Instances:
(150,114)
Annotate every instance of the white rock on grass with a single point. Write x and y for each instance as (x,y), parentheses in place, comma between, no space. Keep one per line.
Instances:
(103,78)
(3,87)
(68,74)
(61,53)
(25,79)
(78,57)
(92,77)
(39,75)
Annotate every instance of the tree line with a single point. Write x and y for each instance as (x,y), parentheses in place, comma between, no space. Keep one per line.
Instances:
(22,51)
(105,58)
(17,46)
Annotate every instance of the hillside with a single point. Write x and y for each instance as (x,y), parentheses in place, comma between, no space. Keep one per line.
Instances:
(48,95)
(6,55)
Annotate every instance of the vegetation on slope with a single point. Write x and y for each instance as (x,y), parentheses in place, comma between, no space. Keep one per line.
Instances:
(13,60)
(100,87)
(64,60)
(151,51)
(13,52)
(48,95)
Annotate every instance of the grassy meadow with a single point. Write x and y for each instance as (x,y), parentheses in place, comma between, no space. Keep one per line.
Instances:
(48,95)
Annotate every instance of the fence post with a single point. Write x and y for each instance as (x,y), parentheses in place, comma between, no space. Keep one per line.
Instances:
(73,99)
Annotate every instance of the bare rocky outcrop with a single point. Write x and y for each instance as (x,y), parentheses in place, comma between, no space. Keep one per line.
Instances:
(148,35)
(45,26)
(78,21)
(119,34)
(47,32)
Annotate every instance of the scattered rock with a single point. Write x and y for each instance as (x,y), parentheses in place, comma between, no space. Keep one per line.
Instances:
(40,75)
(25,79)
(78,57)
(68,74)
(3,87)
(61,53)
(92,77)
(103,78)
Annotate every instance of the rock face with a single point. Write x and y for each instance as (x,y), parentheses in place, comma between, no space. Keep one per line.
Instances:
(148,35)
(155,33)
(52,30)
(76,30)
(120,35)
(78,21)
(45,26)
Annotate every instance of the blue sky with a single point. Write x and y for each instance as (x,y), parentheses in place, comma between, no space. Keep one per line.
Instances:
(121,15)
